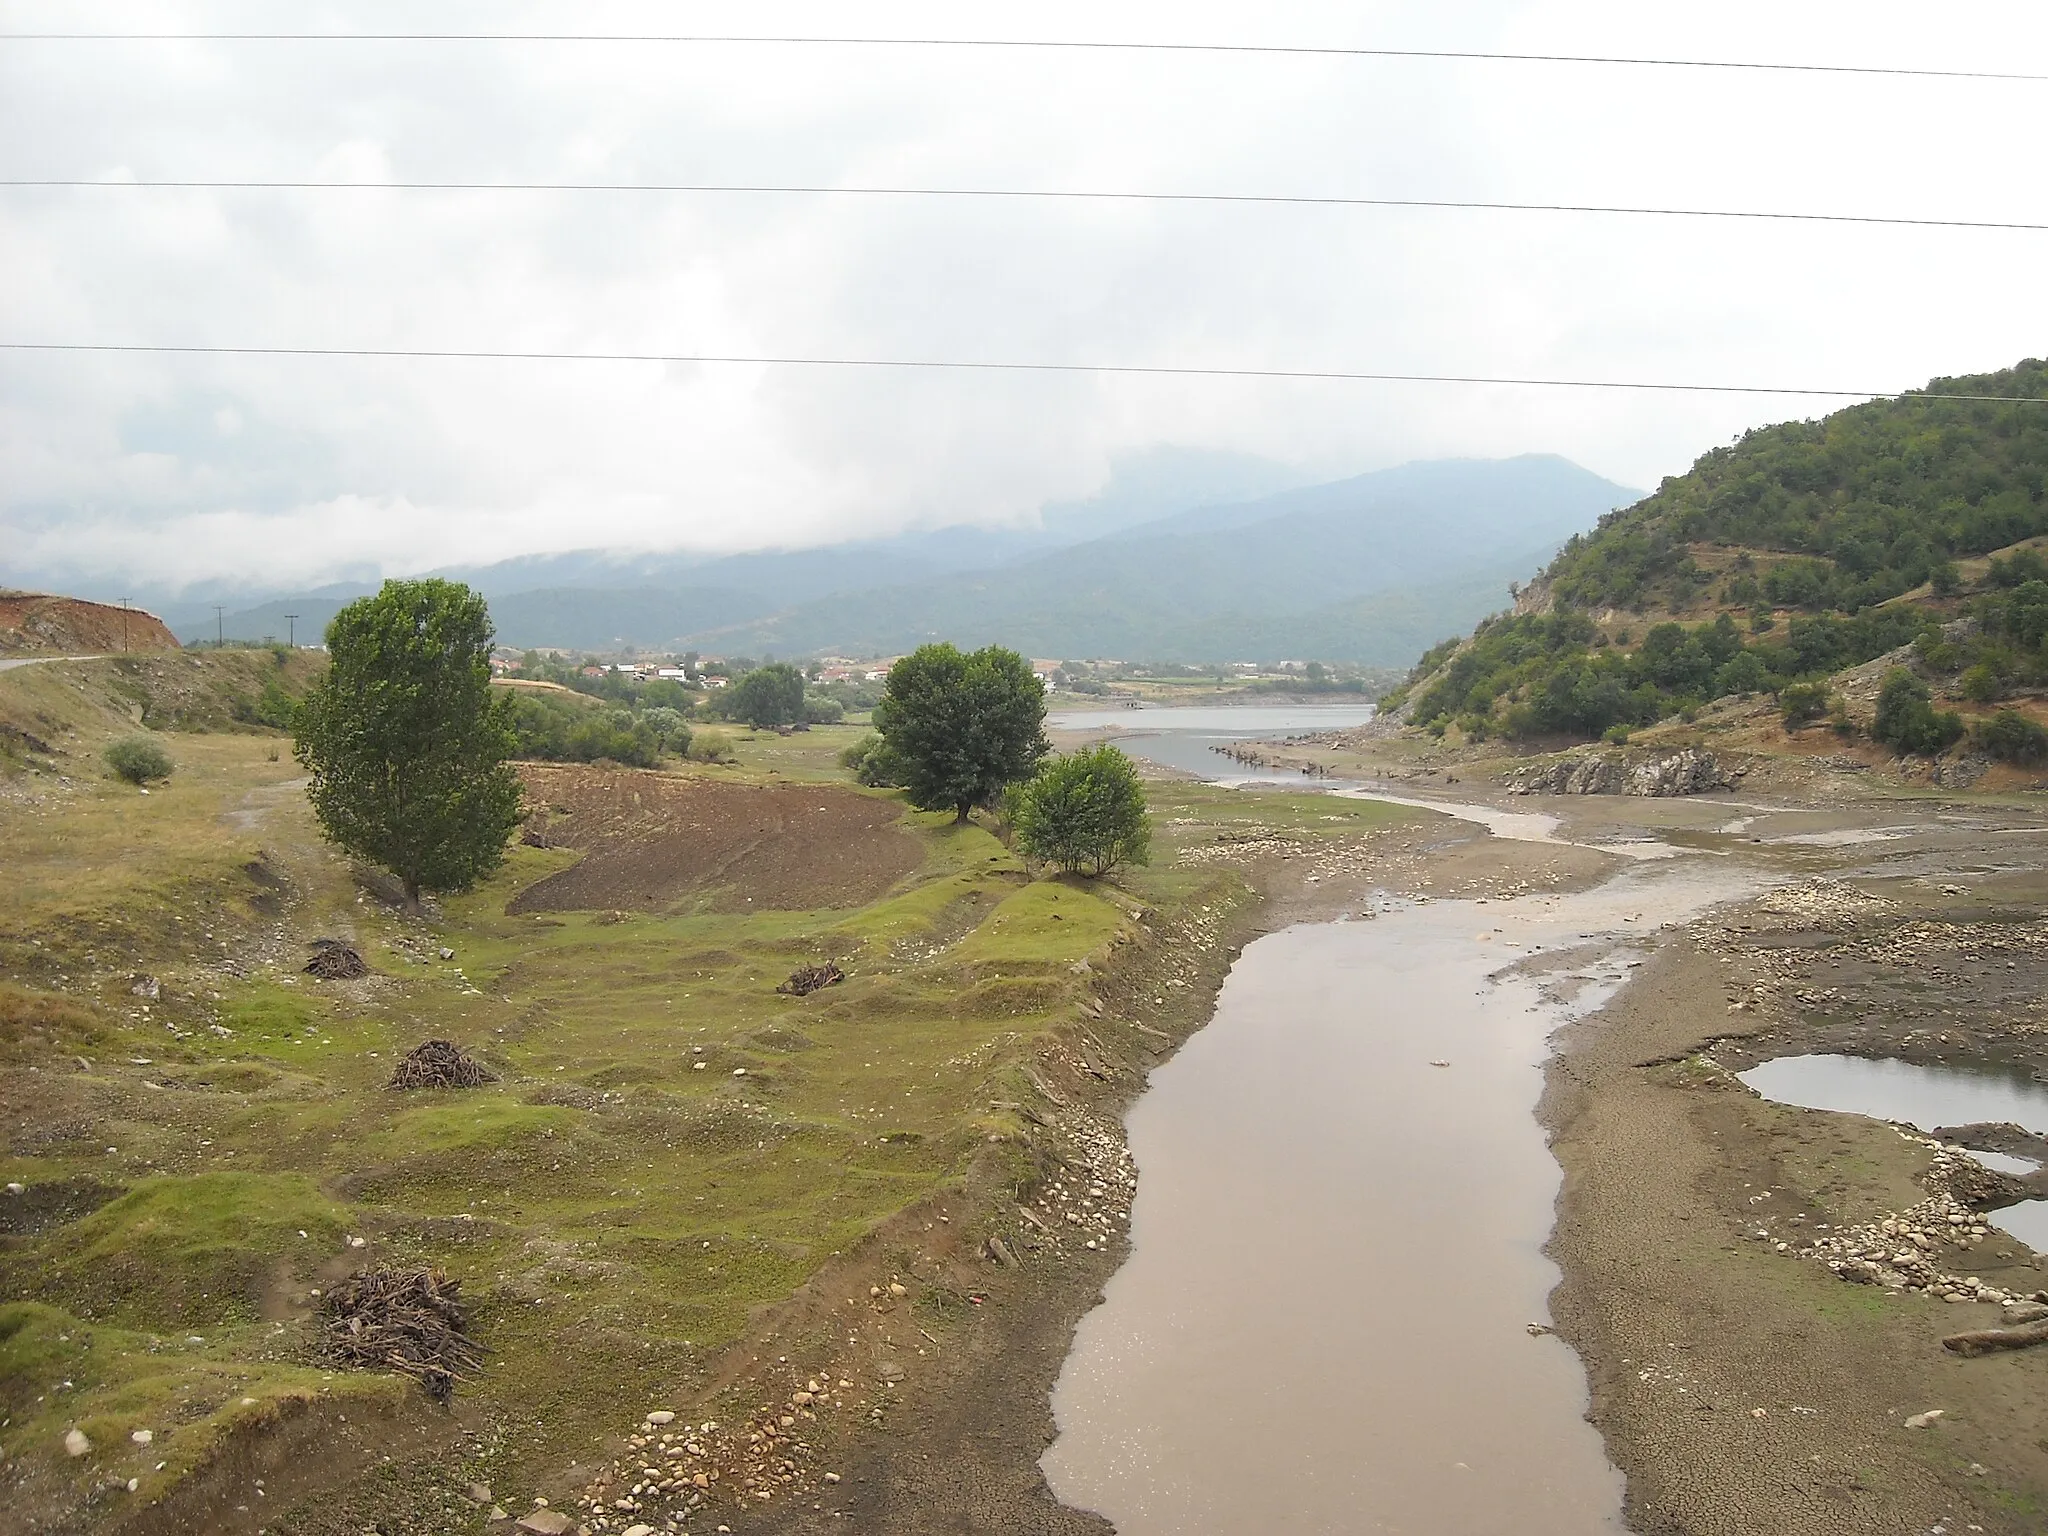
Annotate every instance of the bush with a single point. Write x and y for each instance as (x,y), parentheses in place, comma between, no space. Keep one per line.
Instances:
(1907,721)
(556,729)
(1084,811)
(1802,704)
(670,729)
(1981,683)
(870,763)
(820,709)
(711,747)
(139,759)
(2011,737)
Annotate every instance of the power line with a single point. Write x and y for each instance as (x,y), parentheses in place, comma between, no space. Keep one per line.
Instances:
(1247,198)
(1016,43)
(981,366)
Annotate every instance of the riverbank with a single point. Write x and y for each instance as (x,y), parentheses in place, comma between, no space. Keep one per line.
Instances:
(1740,1386)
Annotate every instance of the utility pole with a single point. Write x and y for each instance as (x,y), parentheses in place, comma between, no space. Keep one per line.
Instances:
(291,631)
(219,632)
(124,624)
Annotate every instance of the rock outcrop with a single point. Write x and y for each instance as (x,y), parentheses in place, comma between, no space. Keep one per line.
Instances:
(1686,772)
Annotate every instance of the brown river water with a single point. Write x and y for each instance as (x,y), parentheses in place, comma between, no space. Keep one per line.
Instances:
(1337,1249)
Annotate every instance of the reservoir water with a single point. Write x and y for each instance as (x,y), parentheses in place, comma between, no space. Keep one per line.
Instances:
(1186,738)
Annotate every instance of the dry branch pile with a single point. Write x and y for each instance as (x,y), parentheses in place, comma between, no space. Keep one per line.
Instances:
(440,1064)
(806,979)
(404,1320)
(335,961)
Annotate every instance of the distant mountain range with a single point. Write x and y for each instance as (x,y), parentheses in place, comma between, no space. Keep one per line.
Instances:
(1187,555)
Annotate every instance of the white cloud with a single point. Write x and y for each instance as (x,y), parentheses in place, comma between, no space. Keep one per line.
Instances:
(289,469)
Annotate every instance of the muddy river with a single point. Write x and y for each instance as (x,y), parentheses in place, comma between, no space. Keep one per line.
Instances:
(1325,1321)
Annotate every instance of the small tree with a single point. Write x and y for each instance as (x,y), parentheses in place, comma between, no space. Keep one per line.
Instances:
(768,696)
(669,727)
(1907,721)
(138,759)
(1085,812)
(405,741)
(959,728)
(2011,737)
(1802,704)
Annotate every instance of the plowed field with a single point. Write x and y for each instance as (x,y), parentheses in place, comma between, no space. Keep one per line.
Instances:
(656,841)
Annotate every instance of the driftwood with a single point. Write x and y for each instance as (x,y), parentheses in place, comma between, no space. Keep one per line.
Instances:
(335,961)
(806,979)
(440,1064)
(404,1320)
(1985,1341)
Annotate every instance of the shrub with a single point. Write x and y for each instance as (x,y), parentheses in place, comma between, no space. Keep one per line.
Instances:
(870,763)
(670,729)
(1907,721)
(711,747)
(1981,683)
(820,709)
(138,759)
(1615,735)
(1802,704)
(2011,737)
(1084,812)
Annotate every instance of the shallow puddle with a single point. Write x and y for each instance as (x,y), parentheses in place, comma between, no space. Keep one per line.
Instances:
(1924,1096)
(1337,1243)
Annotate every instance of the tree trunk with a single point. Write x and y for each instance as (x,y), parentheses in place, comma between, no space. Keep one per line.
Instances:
(412,895)
(961,819)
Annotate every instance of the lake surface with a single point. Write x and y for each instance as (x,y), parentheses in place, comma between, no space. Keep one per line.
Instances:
(1236,721)
(1922,1096)
(1338,1245)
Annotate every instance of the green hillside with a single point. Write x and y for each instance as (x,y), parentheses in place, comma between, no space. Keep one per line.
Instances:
(1797,551)
(1871,502)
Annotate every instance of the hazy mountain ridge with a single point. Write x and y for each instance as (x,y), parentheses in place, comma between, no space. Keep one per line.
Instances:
(1291,574)
(1361,569)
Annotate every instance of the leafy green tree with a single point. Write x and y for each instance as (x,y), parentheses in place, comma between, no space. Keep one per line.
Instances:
(1907,721)
(1085,812)
(768,696)
(138,759)
(2011,737)
(405,741)
(670,729)
(959,728)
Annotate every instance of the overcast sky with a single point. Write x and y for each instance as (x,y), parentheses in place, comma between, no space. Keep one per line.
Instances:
(288,471)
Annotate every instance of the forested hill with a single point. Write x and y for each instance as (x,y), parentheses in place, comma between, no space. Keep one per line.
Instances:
(1873,500)
(1797,551)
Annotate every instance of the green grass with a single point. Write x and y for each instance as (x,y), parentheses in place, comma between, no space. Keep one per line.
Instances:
(615,1211)
(187,1252)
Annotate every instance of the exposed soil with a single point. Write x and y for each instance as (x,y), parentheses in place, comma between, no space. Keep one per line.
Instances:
(654,841)
(1740,1387)
(32,622)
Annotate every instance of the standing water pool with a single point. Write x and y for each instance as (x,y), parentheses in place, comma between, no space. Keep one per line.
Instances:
(1926,1097)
